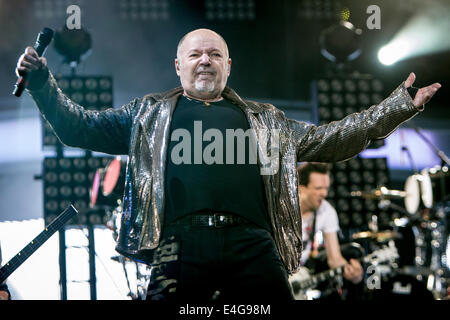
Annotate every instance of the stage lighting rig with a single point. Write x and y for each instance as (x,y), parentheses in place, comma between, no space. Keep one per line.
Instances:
(341,42)
(74,45)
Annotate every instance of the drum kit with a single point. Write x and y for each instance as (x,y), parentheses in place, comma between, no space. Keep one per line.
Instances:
(106,194)
(420,235)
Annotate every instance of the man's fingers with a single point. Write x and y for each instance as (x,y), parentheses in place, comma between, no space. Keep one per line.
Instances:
(425,94)
(30,58)
(43,62)
(410,80)
(29,66)
(32,52)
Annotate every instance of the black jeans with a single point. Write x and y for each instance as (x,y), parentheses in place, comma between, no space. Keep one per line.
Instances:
(234,263)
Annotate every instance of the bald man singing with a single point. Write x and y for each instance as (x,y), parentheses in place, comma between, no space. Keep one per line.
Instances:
(211,200)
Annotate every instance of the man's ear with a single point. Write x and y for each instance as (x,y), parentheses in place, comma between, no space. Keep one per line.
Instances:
(229,67)
(177,66)
(301,188)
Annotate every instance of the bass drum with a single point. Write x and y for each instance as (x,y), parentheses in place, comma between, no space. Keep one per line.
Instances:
(400,287)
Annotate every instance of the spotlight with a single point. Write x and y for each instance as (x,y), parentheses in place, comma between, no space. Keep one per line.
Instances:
(323,98)
(344,221)
(341,42)
(336,85)
(341,165)
(337,113)
(357,219)
(323,85)
(350,99)
(341,177)
(367,164)
(337,99)
(324,113)
(74,45)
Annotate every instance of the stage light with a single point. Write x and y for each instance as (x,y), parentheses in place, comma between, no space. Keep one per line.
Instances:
(363,85)
(66,181)
(341,177)
(341,165)
(79,177)
(368,177)
(357,220)
(354,164)
(91,98)
(91,83)
(337,99)
(393,52)
(321,9)
(65,191)
(230,10)
(63,84)
(364,100)
(323,98)
(77,97)
(50,177)
(368,164)
(351,100)
(355,177)
(51,191)
(336,85)
(342,205)
(344,220)
(324,113)
(337,113)
(323,85)
(144,10)
(425,33)
(74,45)
(341,42)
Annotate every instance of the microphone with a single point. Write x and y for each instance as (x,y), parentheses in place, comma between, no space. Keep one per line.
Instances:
(43,40)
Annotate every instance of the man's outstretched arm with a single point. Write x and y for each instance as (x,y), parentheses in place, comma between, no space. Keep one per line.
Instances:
(341,140)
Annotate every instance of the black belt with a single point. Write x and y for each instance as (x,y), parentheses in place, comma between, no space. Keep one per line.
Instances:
(214,219)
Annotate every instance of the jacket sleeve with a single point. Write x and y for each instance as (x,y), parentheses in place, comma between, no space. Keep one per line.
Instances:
(341,140)
(103,131)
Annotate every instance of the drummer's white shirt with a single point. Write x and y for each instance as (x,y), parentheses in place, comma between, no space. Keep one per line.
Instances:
(326,222)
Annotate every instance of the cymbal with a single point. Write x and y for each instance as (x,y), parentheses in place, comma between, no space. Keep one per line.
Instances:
(379,194)
(379,236)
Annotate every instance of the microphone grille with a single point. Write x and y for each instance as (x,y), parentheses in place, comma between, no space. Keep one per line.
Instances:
(45,36)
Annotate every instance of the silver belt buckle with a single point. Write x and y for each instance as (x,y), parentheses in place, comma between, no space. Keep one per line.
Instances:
(217,220)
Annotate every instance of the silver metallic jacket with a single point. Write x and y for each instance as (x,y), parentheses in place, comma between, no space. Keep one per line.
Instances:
(141,130)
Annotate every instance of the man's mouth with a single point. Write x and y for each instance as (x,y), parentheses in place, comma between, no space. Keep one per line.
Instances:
(208,73)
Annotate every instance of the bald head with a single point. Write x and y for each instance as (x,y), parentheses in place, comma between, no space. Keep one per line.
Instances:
(201,32)
(203,64)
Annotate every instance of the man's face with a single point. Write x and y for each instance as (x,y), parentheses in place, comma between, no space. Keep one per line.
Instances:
(317,189)
(203,65)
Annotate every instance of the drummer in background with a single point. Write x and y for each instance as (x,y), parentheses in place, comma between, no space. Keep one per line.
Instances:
(314,182)
(4,292)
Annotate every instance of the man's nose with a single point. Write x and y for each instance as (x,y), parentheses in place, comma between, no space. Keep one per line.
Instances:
(205,59)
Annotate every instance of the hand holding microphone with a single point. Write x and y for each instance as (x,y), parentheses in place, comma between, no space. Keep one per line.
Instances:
(30,63)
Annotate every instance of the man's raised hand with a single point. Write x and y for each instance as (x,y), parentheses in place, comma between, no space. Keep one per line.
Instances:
(424,94)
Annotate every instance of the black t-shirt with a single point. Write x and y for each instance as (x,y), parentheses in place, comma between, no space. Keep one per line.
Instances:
(201,174)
